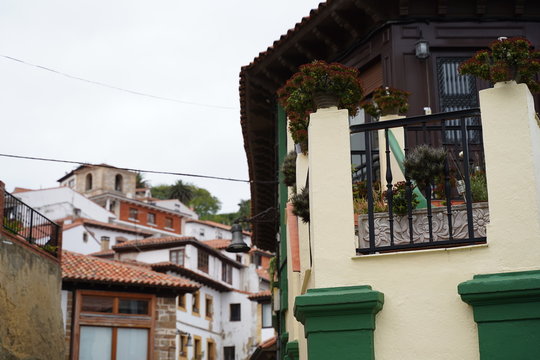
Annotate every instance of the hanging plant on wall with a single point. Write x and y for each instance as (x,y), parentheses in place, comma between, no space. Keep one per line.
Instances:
(300,203)
(506,59)
(288,169)
(301,92)
(387,101)
(424,163)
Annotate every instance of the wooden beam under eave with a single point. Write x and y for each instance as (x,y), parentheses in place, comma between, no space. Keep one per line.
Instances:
(370,9)
(442,7)
(481,7)
(344,24)
(519,7)
(287,64)
(403,7)
(325,39)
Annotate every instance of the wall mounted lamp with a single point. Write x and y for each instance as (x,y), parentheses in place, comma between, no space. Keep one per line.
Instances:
(421,49)
(189,341)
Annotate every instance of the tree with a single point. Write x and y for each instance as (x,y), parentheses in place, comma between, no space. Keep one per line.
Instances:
(244,208)
(203,202)
(161,191)
(182,191)
(140,181)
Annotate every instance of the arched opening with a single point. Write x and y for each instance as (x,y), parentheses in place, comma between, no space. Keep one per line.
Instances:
(88,182)
(118,182)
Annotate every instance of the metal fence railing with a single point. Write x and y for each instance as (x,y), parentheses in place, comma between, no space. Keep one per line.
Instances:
(448,216)
(22,220)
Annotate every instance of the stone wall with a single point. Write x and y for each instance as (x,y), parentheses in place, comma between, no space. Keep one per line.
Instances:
(165,330)
(30,315)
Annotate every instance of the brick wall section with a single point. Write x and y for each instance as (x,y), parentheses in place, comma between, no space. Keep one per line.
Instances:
(165,330)
(69,317)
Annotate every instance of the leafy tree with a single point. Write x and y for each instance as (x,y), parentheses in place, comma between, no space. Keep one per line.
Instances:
(203,202)
(161,191)
(244,208)
(140,181)
(182,191)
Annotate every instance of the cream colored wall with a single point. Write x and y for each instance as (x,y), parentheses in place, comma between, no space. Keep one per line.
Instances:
(423,316)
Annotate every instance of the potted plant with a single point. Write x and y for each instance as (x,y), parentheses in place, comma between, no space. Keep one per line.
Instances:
(318,85)
(506,60)
(425,163)
(387,101)
(300,203)
(288,169)
(399,198)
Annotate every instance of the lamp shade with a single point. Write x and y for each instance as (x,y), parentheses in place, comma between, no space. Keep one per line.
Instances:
(237,244)
(421,49)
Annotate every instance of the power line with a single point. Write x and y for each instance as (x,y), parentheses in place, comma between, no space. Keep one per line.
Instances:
(116,87)
(137,170)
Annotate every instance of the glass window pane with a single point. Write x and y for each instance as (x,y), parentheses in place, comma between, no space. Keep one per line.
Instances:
(266,315)
(132,344)
(95,343)
(97,304)
(133,306)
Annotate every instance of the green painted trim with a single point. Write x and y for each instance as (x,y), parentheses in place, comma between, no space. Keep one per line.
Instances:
(293,350)
(506,308)
(339,322)
(283,198)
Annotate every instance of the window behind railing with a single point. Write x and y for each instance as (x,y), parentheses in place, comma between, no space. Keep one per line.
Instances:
(20,219)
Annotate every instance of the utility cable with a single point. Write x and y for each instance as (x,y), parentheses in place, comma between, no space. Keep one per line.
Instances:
(116,87)
(139,170)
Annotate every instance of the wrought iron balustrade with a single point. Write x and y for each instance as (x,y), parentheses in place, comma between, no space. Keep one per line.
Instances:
(22,220)
(455,220)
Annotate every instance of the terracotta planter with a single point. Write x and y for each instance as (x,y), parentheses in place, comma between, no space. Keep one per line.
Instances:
(325,100)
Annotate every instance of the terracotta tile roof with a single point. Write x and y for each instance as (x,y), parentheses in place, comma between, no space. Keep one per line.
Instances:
(100,224)
(103,253)
(169,242)
(190,274)
(219,244)
(153,242)
(89,269)
(263,273)
(261,295)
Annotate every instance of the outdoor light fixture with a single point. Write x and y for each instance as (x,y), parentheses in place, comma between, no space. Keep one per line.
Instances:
(421,49)
(237,244)
(188,342)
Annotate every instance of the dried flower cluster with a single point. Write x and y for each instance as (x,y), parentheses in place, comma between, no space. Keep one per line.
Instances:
(288,169)
(300,203)
(387,101)
(296,96)
(506,59)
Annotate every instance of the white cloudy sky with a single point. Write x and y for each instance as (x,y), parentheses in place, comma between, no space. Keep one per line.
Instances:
(186,50)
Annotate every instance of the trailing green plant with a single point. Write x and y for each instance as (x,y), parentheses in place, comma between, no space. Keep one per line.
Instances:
(387,101)
(288,169)
(13,225)
(479,187)
(506,59)
(300,203)
(424,164)
(399,198)
(272,271)
(360,201)
(51,249)
(361,205)
(297,95)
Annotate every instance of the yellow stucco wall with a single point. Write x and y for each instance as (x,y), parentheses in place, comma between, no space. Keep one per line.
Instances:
(423,316)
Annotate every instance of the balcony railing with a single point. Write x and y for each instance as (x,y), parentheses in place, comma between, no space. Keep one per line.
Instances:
(20,219)
(447,216)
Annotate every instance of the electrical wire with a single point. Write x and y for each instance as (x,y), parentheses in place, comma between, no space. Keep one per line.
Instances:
(116,87)
(139,170)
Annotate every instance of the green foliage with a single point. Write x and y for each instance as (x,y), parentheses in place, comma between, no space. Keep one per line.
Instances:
(182,191)
(272,271)
(14,226)
(479,187)
(51,249)
(203,203)
(506,59)
(244,211)
(288,169)
(424,163)
(300,203)
(140,181)
(296,96)
(360,201)
(399,198)
(387,101)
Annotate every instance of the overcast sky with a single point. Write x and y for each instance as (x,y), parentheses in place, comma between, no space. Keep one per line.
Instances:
(186,50)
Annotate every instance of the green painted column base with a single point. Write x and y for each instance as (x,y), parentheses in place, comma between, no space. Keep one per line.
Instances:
(292,350)
(507,310)
(339,322)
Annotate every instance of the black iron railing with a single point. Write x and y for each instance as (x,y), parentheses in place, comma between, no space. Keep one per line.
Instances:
(450,220)
(20,219)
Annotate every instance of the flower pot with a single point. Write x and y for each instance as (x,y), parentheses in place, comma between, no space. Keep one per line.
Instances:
(325,100)
(504,83)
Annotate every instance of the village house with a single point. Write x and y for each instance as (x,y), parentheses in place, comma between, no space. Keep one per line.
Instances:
(446,282)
